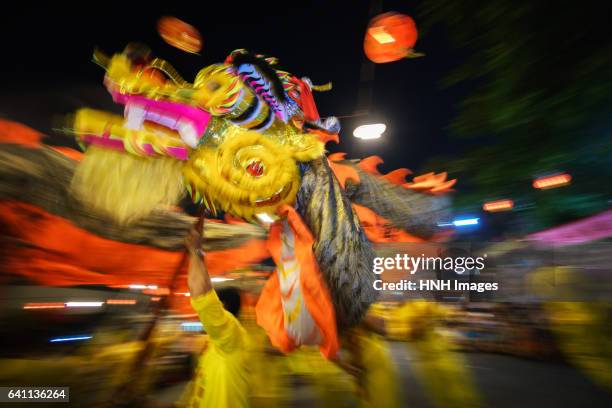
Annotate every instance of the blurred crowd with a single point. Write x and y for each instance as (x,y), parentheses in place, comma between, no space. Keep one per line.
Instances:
(437,335)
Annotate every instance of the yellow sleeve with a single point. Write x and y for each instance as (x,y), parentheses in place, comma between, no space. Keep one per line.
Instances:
(223,329)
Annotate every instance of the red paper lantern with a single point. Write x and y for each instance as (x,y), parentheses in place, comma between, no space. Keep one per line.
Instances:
(390,37)
(179,34)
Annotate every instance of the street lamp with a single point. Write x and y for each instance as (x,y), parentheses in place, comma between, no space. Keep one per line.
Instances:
(368,132)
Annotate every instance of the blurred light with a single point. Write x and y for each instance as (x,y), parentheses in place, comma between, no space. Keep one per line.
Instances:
(184,316)
(368,132)
(265,218)
(75,338)
(557,180)
(464,222)
(158,291)
(220,279)
(155,299)
(120,301)
(499,205)
(48,305)
(192,326)
(84,304)
(445,224)
(182,293)
(141,286)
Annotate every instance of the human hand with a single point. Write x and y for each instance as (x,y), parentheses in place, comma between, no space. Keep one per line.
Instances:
(193,241)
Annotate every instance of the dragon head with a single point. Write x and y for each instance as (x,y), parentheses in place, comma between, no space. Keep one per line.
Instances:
(233,138)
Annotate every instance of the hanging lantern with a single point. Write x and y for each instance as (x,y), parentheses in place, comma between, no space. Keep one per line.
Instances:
(390,37)
(179,34)
(557,180)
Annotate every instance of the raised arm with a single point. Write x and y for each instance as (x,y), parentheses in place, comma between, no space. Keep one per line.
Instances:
(198,279)
(222,327)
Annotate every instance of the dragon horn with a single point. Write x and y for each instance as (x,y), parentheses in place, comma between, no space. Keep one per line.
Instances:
(165,67)
(100,58)
(322,88)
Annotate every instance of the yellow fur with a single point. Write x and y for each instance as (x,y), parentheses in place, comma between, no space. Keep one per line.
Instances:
(128,187)
(219,173)
(125,186)
(309,148)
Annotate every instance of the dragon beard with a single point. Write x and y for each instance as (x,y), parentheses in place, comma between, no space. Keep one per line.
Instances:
(124,186)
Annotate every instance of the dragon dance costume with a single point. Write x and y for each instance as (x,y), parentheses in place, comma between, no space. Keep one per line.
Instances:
(246,138)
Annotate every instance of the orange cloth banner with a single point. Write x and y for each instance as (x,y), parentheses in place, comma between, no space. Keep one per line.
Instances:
(315,296)
(50,250)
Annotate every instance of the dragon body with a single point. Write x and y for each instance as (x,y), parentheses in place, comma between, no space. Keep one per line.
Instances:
(245,138)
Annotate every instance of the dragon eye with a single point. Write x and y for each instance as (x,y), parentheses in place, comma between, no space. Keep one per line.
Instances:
(255,168)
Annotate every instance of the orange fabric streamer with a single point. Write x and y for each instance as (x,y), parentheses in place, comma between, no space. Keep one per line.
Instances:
(50,250)
(270,313)
(230,219)
(69,152)
(16,133)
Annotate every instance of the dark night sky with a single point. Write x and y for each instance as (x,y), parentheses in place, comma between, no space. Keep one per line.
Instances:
(47,69)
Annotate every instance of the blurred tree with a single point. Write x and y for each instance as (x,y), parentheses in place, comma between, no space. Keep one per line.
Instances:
(539,76)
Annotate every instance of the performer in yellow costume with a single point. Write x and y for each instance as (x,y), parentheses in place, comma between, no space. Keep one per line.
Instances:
(378,380)
(222,375)
(363,375)
(441,372)
(269,375)
(581,327)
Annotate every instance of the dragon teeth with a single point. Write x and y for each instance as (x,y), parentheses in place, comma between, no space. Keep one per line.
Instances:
(188,133)
(134,116)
